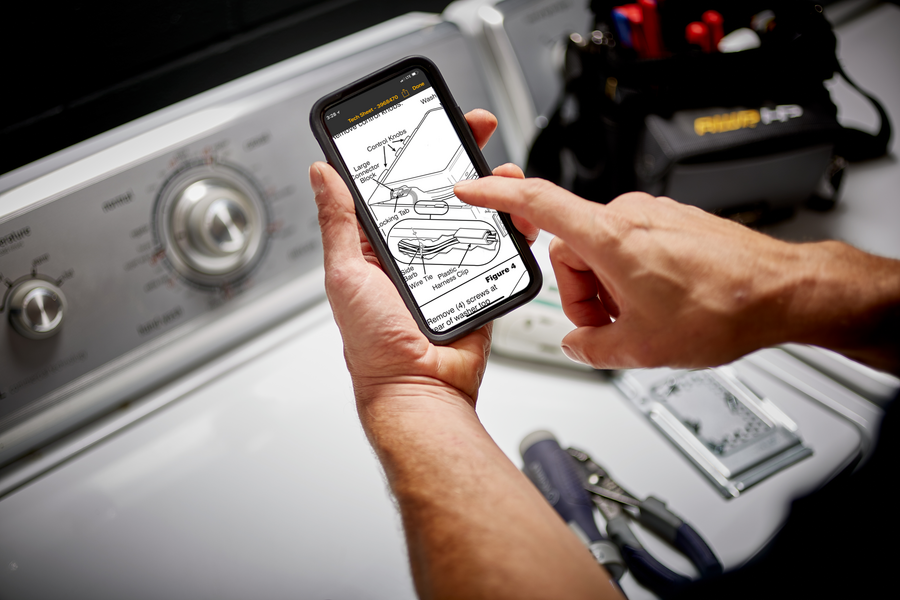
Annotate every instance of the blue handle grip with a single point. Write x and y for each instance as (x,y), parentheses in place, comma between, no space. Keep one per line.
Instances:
(659,578)
(656,517)
(550,468)
(651,573)
(692,545)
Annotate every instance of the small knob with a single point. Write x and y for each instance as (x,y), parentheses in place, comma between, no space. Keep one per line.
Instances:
(37,309)
(221,229)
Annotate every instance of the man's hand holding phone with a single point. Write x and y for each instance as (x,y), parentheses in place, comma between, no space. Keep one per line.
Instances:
(383,346)
(399,141)
(474,524)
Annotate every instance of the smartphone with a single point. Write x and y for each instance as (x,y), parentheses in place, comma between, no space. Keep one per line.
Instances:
(400,142)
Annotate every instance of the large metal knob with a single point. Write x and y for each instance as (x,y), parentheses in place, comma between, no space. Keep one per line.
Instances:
(216,228)
(37,309)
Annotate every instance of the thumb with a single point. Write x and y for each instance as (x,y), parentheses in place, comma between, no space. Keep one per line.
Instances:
(337,215)
(603,347)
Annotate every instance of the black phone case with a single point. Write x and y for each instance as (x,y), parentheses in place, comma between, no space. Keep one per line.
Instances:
(388,263)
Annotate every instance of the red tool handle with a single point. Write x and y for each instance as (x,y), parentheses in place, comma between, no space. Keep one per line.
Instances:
(697,34)
(652,33)
(716,24)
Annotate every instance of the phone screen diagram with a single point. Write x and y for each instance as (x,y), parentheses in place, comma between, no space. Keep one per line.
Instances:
(405,156)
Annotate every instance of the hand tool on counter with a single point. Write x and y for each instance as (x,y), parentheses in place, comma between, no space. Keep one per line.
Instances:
(618,506)
(555,474)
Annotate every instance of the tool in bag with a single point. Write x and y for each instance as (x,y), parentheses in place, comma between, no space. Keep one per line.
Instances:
(717,104)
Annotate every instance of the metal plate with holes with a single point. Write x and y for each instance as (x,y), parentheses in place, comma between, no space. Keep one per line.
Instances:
(735,437)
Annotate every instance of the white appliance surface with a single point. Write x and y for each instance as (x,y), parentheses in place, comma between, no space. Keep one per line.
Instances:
(260,483)
(253,478)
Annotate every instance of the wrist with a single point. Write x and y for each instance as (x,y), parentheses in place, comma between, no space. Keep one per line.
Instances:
(845,300)
(409,404)
(413,425)
(408,393)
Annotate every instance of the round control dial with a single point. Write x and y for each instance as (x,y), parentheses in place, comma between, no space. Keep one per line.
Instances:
(37,309)
(215,226)
(212,224)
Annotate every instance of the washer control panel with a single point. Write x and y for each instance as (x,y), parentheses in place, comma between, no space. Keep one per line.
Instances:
(89,277)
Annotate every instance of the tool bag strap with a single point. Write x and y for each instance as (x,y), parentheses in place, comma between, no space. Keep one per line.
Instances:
(854,144)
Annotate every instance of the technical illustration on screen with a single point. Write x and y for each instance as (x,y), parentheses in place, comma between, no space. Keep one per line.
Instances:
(456,259)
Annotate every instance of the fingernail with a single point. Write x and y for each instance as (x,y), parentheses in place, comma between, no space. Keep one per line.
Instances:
(570,354)
(462,183)
(316,181)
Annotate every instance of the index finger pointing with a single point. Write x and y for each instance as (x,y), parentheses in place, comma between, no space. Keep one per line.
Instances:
(547,206)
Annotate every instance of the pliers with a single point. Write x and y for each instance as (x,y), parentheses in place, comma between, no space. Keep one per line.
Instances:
(617,506)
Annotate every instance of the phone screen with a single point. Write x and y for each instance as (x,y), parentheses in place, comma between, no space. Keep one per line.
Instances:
(404,156)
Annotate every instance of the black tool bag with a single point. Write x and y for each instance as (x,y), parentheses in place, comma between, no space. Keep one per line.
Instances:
(741,132)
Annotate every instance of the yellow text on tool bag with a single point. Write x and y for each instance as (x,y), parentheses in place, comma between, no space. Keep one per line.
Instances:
(746,119)
(742,119)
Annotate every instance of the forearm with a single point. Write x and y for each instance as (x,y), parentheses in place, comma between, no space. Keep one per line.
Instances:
(475,526)
(848,301)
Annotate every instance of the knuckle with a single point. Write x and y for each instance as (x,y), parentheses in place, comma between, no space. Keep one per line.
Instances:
(634,204)
(561,253)
(592,356)
(557,247)
(509,170)
(331,216)
(536,188)
(536,192)
(629,212)
(652,350)
(614,228)
(337,279)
